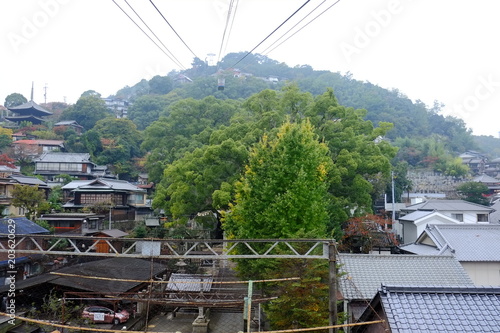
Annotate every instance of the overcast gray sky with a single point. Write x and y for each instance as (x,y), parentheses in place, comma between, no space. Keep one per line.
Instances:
(429,50)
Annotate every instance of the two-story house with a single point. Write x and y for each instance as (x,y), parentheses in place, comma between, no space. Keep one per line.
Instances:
(121,199)
(78,165)
(414,218)
(19,264)
(34,148)
(7,183)
(476,247)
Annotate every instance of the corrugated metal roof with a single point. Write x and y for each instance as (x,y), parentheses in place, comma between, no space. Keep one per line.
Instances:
(441,309)
(364,273)
(190,282)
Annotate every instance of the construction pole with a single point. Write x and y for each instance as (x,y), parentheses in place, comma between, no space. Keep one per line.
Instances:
(332,260)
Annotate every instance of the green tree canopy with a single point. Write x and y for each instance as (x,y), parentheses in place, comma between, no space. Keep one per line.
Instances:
(87,111)
(284,190)
(120,141)
(146,109)
(29,198)
(474,192)
(14,99)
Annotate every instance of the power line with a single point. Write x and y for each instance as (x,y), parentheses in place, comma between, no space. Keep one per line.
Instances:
(296,24)
(171,27)
(144,32)
(305,3)
(177,62)
(228,19)
(336,2)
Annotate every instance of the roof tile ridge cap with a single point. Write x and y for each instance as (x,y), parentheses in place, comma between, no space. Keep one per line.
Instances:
(447,243)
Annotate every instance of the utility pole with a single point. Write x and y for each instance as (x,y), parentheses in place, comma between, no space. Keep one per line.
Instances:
(393,199)
(332,260)
(45,93)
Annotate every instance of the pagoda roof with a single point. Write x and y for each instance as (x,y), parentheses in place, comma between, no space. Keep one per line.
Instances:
(31,118)
(30,108)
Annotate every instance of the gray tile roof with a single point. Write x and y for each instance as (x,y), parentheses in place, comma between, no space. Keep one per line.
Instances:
(441,309)
(485,179)
(28,180)
(495,216)
(447,205)
(414,216)
(364,273)
(64,157)
(467,242)
(102,184)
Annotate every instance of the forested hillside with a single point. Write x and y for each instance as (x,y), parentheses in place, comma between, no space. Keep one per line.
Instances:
(412,120)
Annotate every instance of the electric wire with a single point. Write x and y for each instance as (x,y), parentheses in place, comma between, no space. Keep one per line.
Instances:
(177,62)
(98,329)
(296,24)
(317,16)
(250,52)
(171,27)
(232,4)
(232,24)
(144,32)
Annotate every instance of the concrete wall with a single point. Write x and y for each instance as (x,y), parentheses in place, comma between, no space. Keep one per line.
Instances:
(483,273)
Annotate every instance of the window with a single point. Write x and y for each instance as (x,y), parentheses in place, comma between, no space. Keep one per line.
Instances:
(91,198)
(482,217)
(458,217)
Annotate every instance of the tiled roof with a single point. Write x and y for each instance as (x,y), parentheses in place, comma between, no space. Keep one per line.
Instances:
(64,157)
(364,273)
(27,180)
(485,179)
(414,216)
(467,242)
(495,216)
(448,205)
(102,184)
(123,268)
(22,226)
(30,108)
(441,309)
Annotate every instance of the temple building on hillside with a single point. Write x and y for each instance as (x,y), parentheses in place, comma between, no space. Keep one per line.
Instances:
(29,111)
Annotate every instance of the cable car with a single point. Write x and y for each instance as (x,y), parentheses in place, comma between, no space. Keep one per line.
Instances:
(220,83)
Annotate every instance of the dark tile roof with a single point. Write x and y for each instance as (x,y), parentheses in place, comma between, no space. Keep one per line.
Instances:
(118,268)
(440,309)
(23,226)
